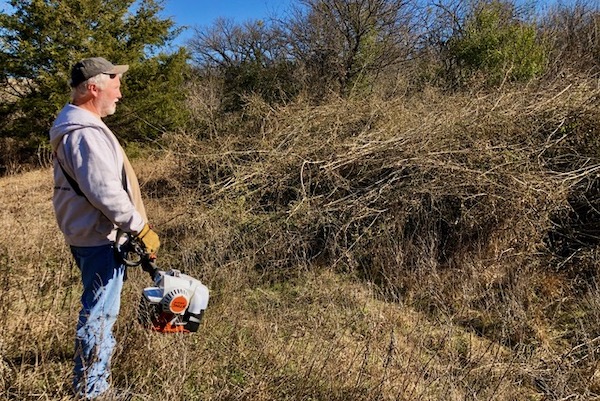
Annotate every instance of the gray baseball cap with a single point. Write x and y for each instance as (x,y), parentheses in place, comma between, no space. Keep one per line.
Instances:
(90,67)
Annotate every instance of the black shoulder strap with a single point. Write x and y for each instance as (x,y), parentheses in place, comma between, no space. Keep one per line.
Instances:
(70,179)
(75,185)
(124,179)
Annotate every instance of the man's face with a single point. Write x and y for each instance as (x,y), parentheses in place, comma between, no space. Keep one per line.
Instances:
(109,96)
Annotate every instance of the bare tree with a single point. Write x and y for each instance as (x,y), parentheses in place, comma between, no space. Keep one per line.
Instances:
(227,44)
(247,58)
(574,35)
(340,41)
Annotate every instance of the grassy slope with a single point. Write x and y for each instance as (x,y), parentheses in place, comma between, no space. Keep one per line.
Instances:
(323,234)
(319,336)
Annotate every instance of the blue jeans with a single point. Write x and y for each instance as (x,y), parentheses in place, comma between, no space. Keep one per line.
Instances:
(102,277)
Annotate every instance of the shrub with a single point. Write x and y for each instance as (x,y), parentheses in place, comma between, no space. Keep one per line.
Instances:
(496,44)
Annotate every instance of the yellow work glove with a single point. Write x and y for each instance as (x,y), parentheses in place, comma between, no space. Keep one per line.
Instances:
(150,240)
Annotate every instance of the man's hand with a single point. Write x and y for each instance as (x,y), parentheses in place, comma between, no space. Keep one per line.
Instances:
(150,240)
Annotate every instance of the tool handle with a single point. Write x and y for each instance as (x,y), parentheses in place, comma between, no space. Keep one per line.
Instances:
(132,246)
(149,266)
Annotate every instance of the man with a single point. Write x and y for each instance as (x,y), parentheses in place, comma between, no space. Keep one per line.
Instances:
(96,192)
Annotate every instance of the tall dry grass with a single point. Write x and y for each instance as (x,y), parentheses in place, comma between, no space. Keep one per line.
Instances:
(425,247)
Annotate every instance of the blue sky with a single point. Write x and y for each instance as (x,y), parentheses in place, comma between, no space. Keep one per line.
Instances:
(205,12)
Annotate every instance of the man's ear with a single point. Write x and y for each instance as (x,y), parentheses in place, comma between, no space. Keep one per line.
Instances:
(93,89)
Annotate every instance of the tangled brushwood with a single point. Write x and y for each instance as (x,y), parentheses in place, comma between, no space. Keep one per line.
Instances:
(480,208)
(412,185)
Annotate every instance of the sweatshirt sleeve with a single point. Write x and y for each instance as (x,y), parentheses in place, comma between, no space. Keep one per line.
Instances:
(98,169)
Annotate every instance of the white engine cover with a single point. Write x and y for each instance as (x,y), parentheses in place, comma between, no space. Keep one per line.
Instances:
(177,292)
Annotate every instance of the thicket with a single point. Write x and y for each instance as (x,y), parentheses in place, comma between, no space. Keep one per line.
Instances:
(478,210)
(354,48)
(466,188)
(333,49)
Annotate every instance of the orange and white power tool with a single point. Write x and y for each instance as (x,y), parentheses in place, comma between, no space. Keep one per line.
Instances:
(175,303)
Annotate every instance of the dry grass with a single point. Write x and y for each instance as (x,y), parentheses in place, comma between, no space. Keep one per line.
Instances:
(364,249)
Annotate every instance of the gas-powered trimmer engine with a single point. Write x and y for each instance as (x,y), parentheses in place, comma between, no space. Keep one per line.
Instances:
(175,304)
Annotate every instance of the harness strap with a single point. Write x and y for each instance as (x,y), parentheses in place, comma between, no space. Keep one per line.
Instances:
(70,179)
(75,185)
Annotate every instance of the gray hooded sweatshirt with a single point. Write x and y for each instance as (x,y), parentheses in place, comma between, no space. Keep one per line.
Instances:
(90,154)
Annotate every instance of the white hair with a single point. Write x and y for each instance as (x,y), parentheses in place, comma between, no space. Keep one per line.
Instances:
(81,90)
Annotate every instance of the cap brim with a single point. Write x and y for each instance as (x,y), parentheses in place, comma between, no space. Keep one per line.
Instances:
(118,69)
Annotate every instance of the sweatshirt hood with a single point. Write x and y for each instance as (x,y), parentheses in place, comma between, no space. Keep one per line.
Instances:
(69,119)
